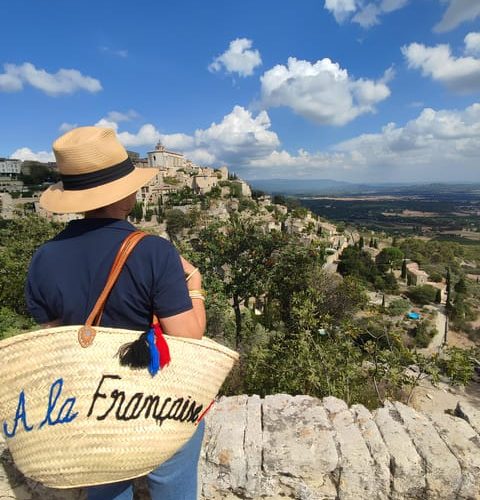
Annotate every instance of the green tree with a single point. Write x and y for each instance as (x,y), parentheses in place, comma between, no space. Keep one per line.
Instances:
(238,252)
(389,258)
(404,269)
(177,220)
(20,238)
(12,323)
(356,262)
(438,297)
(292,266)
(461,286)
(137,211)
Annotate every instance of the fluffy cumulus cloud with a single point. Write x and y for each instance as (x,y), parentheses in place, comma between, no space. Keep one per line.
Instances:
(239,58)
(458,11)
(25,154)
(239,137)
(472,44)
(64,81)
(322,92)
(365,13)
(460,74)
(341,9)
(437,145)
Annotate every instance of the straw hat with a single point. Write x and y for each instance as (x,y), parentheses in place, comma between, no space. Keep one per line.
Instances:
(95,170)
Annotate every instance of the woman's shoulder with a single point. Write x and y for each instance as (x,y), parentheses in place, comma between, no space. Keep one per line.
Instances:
(155,243)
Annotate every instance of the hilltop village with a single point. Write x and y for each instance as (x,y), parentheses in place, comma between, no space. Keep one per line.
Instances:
(392,302)
(182,193)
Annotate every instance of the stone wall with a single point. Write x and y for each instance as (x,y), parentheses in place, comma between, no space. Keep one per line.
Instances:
(305,448)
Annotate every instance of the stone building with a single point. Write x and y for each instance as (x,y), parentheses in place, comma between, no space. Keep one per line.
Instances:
(416,276)
(10,168)
(245,188)
(328,230)
(163,159)
(204,183)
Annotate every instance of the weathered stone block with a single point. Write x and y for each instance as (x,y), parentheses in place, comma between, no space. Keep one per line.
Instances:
(408,475)
(357,474)
(442,471)
(464,443)
(378,450)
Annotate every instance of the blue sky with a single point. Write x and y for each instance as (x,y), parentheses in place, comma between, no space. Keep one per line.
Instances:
(360,90)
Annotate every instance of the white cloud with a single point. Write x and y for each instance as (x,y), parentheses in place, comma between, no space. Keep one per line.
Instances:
(27,154)
(472,44)
(367,14)
(123,53)
(146,136)
(240,136)
(64,81)
(437,145)
(238,58)
(65,127)
(322,92)
(460,74)
(117,116)
(341,9)
(458,11)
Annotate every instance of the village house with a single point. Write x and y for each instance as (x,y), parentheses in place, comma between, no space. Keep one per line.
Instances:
(202,184)
(416,276)
(10,168)
(328,230)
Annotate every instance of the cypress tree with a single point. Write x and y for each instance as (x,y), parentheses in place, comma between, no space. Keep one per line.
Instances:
(404,269)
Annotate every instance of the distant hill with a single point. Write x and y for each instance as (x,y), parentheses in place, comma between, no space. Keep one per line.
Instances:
(308,187)
(302,186)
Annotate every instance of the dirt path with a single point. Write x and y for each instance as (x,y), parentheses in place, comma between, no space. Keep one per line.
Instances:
(437,342)
(431,399)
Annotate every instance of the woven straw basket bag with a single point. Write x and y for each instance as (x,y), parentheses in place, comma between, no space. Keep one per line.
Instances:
(73,416)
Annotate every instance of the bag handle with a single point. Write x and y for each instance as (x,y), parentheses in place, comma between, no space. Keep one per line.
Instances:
(87,333)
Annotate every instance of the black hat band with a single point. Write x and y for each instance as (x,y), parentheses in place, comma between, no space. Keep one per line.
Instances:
(89,180)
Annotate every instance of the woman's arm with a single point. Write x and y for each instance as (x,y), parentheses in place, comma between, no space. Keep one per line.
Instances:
(190,323)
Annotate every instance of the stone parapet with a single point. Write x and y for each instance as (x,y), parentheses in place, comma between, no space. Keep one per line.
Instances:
(302,447)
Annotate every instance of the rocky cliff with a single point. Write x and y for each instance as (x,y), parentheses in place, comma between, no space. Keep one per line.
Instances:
(305,448)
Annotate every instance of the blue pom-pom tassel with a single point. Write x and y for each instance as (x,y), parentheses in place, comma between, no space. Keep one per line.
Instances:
(154,364)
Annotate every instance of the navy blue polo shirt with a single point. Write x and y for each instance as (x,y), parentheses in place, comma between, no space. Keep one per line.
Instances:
(68,273)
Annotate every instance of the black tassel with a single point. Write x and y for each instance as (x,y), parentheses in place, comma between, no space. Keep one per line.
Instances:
(135,354)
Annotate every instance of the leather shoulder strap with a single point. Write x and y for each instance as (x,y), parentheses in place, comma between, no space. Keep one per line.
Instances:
(123,253)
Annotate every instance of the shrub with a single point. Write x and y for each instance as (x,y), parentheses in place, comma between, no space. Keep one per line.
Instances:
(398,307)
(423,294)
(459,364)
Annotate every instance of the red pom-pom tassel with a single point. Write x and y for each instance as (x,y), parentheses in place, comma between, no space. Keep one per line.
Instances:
(162,345)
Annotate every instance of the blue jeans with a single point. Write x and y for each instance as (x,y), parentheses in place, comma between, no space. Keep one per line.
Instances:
(175,479)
